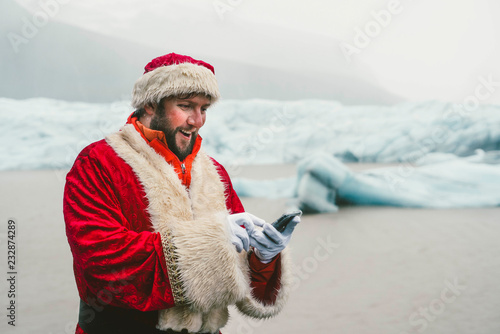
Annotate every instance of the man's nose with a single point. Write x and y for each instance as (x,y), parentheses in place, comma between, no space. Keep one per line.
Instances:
(196,118)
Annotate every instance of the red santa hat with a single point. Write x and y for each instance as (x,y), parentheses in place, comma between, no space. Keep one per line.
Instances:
(174,75)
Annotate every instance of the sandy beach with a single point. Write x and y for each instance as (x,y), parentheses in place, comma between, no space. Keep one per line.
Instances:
(373,270)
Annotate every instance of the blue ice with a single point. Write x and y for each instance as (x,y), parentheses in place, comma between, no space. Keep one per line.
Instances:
(435,181)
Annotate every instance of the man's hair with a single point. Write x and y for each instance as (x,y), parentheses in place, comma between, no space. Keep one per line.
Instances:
(159,105)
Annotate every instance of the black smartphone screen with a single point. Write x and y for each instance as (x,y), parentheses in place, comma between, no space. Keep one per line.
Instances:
(281,223)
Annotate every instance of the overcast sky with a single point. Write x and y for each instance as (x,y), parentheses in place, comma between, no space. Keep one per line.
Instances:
(425,50)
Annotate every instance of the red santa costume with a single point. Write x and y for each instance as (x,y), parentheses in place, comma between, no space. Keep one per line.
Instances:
(148,232)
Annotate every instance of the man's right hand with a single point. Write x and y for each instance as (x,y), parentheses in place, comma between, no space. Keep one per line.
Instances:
(239,235)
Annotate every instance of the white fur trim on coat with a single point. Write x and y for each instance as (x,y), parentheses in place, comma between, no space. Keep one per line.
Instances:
(174,80)
(205,271)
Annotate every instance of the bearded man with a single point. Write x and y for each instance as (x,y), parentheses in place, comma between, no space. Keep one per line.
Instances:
(159,237)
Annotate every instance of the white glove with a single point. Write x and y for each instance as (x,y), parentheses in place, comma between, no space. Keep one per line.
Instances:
(269,242)
(239,235)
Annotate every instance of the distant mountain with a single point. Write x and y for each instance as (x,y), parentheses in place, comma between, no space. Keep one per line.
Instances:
(64,62)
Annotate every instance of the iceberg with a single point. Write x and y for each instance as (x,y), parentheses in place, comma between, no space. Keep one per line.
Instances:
(277,132)
(448,156)
(436,181)
(48,134)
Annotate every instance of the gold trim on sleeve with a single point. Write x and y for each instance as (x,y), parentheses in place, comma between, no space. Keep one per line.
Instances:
(172,269)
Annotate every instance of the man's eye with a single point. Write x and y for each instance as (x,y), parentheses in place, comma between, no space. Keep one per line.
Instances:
(185,106)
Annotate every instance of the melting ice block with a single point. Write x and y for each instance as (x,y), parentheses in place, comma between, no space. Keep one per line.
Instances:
(444,181)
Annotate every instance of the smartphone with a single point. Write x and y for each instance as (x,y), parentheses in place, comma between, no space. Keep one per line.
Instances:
(281,223)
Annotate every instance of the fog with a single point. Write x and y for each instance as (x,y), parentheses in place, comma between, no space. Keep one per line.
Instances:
(360,52)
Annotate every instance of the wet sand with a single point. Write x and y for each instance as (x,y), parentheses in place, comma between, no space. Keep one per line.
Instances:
(362,270)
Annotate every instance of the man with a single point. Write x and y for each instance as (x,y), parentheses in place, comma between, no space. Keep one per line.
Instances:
(155,226)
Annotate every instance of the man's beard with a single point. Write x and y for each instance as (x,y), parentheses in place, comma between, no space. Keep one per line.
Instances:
(161,123)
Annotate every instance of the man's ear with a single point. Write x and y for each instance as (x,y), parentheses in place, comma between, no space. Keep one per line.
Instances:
(150,109)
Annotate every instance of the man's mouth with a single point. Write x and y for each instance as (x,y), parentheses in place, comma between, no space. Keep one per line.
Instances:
(186,134)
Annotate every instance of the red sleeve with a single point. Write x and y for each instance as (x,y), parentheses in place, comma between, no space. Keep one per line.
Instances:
(265,278)
(113,264)
(233,202)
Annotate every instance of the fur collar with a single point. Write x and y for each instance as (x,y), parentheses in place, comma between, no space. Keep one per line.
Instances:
(206,273)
